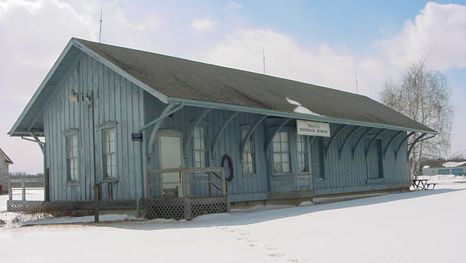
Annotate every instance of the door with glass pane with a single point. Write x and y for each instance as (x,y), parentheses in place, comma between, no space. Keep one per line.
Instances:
(171,156)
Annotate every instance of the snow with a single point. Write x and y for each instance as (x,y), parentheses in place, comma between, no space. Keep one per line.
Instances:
(444,178)
(420,226)
(300,108)
(453,164)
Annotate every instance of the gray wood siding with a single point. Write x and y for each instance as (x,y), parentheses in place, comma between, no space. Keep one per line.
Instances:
(117,102)
(229,144)
(341,175)
(127,107)
(348,174)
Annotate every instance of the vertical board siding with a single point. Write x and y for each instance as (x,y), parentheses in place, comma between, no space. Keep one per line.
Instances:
(341,175)
(117,101)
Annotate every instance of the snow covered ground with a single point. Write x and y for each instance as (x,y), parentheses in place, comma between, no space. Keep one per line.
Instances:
(421,226)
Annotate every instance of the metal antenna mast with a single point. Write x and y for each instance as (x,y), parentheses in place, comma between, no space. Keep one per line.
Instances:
(263,58)
(357,84)
(100,26)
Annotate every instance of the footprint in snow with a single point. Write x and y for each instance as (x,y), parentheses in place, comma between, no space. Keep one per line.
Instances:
(276,254)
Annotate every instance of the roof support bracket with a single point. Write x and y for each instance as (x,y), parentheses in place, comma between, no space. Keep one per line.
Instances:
(332,139)
(401,143)
(372,141)
(250,132)
(358,141)
(169,110)
(36,140)
(346,139)
(269,142)
(222,129)
(392,139)
(414,143)
(195,125)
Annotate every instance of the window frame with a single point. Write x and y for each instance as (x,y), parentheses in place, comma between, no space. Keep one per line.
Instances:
(201,151)
(103,164)
(302,141)
(72,133)
(249,145)
(320,145)
(281,153)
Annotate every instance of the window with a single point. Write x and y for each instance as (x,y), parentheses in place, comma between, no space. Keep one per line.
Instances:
(444,171)
(303,154)
(72,165)
(199,147)
(320,165)
(109,153)
(248,155)
(281,153)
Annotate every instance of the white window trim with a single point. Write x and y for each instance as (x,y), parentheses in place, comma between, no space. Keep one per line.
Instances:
(69,133)
(290,172)
(205,150)
(252,151)
(106,126)
(306,158)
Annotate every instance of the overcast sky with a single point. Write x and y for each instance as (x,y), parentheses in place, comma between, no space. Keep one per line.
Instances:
(320,42)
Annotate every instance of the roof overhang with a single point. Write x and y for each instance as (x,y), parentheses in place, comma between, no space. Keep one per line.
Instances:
(30,122)
(31,119)
(295,115)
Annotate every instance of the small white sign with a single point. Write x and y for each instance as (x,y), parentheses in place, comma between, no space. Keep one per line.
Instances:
(313,128)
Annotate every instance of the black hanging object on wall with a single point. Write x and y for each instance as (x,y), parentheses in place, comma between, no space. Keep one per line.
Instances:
(227,158)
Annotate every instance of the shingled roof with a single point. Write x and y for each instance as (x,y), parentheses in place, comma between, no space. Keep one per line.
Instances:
(181,78)
(174,79)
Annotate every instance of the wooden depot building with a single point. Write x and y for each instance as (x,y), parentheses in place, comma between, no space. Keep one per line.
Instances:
(170,131)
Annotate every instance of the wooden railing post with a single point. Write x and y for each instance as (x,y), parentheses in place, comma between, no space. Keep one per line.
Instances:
(10,190)
(187,208)
(23,189)
(149,187)
(96,202)
(210,184)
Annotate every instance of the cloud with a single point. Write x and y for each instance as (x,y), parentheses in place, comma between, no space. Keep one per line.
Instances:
(437,35)
(33,33)
(284,57)
(203,24)
(232,5)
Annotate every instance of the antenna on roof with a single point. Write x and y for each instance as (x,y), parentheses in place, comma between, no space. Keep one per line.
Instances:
(100,26)
(357,84)
(263,58)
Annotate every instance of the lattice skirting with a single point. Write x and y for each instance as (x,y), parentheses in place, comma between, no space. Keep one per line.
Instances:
(183,207)
(26,206)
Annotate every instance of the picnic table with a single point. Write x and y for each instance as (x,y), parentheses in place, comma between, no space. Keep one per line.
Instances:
(422,184)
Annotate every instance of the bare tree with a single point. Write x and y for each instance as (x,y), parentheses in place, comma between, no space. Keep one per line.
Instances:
(423,95)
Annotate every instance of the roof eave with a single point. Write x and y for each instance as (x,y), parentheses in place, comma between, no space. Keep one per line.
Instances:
(231,107)
(75,43)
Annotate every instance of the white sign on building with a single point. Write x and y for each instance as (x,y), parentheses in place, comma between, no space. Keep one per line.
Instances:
(313,128)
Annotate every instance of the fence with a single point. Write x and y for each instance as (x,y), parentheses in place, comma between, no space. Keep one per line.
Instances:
(23,183)
(171,193)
